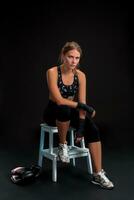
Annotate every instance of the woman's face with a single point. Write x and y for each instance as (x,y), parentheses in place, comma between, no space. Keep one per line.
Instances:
(71,59)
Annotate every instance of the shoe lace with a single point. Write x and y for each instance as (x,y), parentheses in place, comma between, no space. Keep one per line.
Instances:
(64,149)
(103,177)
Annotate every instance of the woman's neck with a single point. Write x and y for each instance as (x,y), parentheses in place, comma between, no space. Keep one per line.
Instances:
(66,70)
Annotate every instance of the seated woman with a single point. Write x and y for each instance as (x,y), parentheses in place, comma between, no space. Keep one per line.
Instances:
(67,106)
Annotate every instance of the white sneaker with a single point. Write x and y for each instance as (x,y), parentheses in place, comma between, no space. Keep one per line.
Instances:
(63,153)
(101,179)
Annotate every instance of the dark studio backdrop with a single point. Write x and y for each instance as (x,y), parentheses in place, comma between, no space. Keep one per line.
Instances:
(31,38)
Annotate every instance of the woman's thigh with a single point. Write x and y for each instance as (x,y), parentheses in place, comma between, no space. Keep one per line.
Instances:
(55,112)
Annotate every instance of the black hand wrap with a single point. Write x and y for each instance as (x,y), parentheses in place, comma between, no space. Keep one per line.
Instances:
(85,107)
(80,131)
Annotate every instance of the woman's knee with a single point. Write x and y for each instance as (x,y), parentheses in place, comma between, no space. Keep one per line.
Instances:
(92,133)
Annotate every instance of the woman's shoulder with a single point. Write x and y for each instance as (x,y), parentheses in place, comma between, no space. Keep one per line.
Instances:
(80,73)
(52,69)
(52,72)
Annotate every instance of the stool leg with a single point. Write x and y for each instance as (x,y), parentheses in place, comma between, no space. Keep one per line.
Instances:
(89,164)
(72,143)
(42,136)
(51,142)
(54,169)
(82,143)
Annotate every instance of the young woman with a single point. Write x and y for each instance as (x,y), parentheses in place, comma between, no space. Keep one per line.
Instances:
(67,106)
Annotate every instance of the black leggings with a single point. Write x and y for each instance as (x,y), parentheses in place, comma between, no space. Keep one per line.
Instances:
(64,113)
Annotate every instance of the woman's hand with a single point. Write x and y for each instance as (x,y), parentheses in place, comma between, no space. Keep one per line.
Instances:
(86,108)
(78,139)
(80,132)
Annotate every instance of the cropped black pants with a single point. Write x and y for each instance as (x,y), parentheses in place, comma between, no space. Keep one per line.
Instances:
(64,113)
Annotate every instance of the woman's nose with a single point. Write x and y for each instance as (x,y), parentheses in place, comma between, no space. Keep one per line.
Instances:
(74,60)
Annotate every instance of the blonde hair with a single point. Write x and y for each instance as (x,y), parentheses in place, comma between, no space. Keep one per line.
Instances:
(69,46)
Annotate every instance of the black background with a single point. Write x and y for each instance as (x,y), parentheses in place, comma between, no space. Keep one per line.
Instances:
(31,38)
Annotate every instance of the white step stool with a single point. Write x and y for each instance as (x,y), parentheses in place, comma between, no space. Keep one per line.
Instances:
(52,152)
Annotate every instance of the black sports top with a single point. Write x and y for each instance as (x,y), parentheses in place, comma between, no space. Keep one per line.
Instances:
(67,90)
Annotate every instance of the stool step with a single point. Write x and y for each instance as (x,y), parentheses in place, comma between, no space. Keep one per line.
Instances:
(74,152)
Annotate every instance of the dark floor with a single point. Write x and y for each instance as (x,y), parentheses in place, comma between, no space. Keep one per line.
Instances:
(73,183)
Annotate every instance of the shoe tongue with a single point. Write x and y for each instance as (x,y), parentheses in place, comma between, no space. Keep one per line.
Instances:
(98,173)
(63,145)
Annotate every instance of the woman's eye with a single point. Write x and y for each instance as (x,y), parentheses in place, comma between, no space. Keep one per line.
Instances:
(71,57)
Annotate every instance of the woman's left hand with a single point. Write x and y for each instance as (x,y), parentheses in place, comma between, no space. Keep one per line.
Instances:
(78,139)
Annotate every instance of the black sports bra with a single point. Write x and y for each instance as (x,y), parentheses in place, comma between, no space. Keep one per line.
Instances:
(67,90)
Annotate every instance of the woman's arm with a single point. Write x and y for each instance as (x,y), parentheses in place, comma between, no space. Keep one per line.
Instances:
(54,90)
(82,93)
(82,96)
(82,113)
